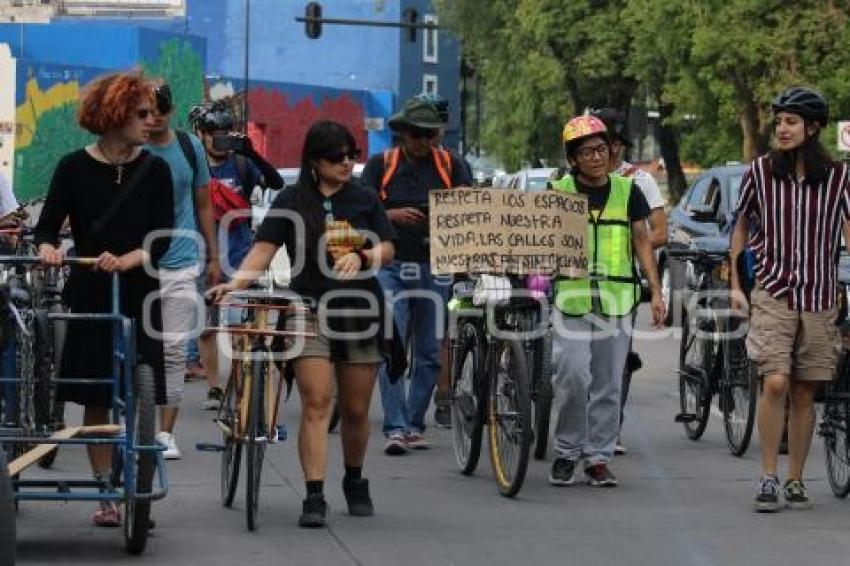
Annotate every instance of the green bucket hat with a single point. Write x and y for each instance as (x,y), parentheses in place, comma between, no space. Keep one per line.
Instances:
(418,113)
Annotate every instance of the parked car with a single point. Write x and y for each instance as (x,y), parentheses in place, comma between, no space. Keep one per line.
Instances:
(703,213)
(532,180)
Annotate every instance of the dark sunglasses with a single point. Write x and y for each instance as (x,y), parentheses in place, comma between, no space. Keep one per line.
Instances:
(340,156)
(422,133)
(164,101)
(143,113)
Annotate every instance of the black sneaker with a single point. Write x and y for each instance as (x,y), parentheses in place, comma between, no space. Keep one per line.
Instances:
(767,495)
(796,496)
(563,472)
(599,475)
(443,416)
(214,398)
(357,496)
(314,512)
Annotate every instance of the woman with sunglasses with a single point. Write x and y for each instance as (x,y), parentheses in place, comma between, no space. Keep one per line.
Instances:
(339,233)
(114,193)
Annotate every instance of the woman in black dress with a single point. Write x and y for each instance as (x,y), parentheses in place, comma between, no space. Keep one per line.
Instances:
(348,221)
(115,168)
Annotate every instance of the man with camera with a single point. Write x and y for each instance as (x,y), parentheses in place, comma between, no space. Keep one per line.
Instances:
(235,169)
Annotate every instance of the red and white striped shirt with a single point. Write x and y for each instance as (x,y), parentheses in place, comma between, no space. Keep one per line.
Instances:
(795,232)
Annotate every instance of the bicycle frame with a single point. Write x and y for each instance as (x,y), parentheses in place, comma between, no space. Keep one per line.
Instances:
(250,341)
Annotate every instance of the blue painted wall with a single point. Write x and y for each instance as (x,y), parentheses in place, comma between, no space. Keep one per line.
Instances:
(344,57)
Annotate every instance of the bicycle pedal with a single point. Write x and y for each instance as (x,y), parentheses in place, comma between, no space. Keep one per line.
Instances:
(204,447)
(685,418)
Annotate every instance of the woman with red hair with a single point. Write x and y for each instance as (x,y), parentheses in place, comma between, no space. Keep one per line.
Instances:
(114,194)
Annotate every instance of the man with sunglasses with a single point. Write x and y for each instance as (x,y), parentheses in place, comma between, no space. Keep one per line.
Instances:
(235,169)
(181,265)
(403,176)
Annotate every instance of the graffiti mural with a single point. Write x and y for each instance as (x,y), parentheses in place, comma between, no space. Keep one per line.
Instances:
(47,126)
(281,123)
(183,69)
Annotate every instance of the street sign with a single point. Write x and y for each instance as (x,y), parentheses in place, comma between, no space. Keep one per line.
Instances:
(844,136)
(375,124)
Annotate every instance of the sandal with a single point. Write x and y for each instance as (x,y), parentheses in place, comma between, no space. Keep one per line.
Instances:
(108,516)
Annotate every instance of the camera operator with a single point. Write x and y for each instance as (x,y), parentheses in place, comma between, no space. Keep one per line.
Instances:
(235,169)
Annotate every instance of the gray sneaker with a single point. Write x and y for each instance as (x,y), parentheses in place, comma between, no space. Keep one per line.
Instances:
(563,472)
(767,495)
(796,496)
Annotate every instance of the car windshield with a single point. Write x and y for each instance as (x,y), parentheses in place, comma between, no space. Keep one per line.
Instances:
(734,189)
(537,184)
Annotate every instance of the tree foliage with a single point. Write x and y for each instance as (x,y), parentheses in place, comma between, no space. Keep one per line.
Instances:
(710,67)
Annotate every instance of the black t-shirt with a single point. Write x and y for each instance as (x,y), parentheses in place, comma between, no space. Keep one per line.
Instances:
(352,207)
(597,197)
(409,187)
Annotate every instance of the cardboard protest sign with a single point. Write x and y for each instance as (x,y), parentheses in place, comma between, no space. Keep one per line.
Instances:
(507,231)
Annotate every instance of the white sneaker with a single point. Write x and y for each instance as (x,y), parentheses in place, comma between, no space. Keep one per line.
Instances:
(171,451)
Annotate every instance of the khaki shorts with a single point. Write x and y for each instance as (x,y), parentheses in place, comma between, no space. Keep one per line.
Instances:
(802,345)
(319,346)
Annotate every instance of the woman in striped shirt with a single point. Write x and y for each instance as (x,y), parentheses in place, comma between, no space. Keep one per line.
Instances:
(793,206)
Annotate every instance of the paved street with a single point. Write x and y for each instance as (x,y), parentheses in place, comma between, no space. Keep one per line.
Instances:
(679,503)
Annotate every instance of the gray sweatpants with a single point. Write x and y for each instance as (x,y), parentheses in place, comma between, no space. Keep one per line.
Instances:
(588,355)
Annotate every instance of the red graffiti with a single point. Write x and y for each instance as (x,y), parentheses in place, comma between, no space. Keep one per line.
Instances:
(277,128)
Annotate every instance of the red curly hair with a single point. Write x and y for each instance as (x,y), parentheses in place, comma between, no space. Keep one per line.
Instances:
(108,101)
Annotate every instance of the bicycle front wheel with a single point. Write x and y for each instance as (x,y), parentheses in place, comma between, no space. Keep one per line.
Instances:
(467,403)
(509,416)
(695,358)
(231,456)
(738,396)
(255,442)
(542,395)
(833,428)
(142,463)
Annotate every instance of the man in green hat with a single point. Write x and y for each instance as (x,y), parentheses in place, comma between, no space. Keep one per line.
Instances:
(403,176)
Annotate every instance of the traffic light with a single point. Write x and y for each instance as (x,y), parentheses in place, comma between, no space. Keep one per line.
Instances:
(409,18)
(313,20)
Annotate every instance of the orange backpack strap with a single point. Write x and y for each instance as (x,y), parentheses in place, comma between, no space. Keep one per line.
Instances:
(391,157)
(443,162)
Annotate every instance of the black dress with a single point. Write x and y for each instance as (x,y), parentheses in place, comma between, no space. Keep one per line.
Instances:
(82,189)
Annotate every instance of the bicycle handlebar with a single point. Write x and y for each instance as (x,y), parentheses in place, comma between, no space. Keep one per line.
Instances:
(697,254)
(29,260)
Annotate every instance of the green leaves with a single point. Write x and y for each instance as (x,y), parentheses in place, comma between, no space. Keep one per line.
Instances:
(719,63)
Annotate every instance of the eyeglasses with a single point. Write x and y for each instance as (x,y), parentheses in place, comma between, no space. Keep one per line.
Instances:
(340,156)
(143,113)
(588,152)
(422,133)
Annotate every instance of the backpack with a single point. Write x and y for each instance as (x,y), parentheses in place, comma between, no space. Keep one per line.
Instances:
(442,161)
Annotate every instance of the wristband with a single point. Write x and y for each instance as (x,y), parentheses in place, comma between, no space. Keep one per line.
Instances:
(364,259)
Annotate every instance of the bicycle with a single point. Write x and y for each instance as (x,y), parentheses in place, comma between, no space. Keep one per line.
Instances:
(490,385)
(34,294)
(835,418)
(712,354)
(248,413)
(137,459)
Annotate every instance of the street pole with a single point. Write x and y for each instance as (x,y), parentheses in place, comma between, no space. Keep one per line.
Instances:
(247,66)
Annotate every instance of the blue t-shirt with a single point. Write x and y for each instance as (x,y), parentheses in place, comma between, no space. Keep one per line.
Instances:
(228,173)
(184,249)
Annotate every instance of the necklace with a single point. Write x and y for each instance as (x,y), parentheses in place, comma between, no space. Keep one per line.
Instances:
(117,163)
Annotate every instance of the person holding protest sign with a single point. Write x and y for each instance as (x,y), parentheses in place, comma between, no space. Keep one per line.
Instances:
(592,320)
